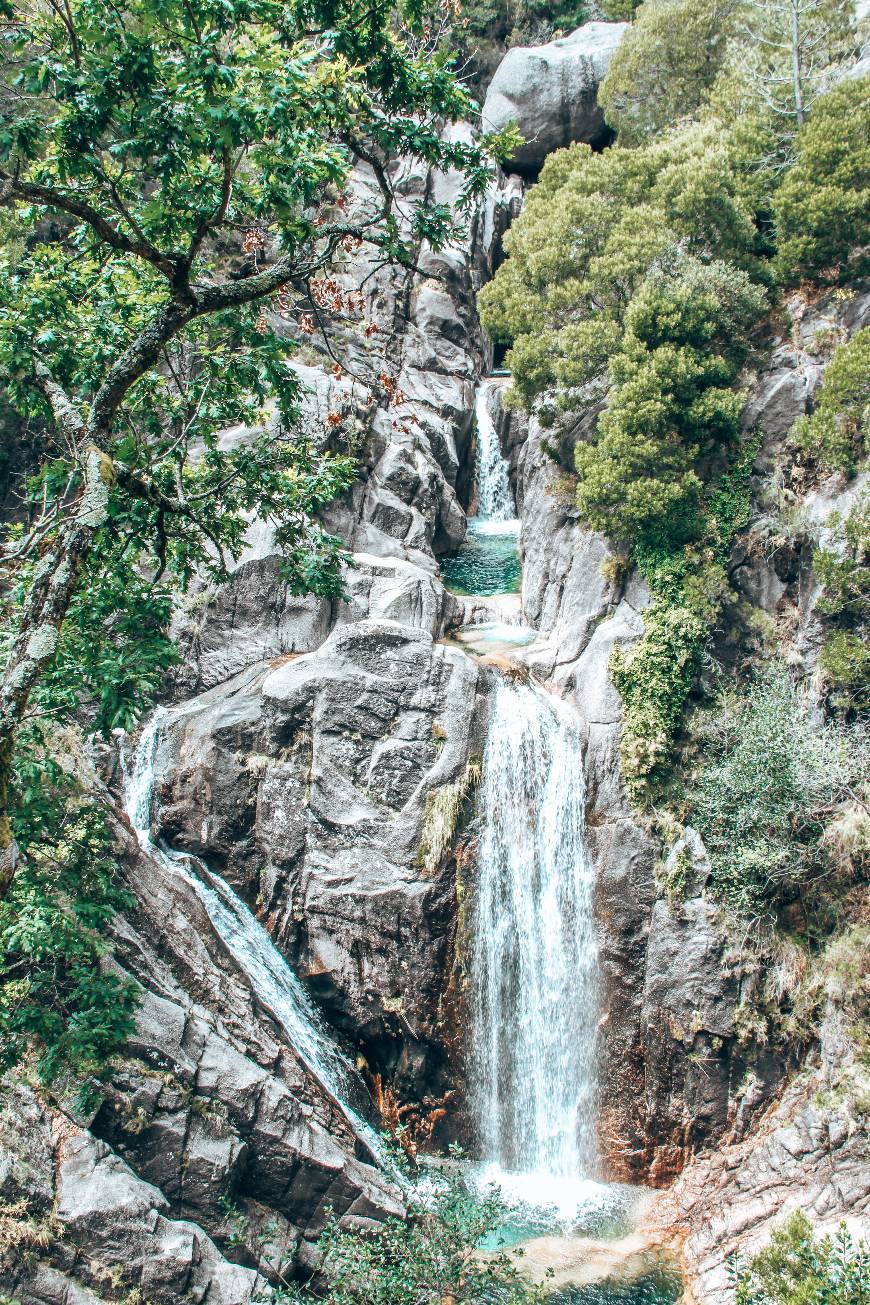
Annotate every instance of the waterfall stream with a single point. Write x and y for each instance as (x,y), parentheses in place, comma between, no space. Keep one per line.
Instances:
(495,501)
(271,979)
(535,961)
(488,561)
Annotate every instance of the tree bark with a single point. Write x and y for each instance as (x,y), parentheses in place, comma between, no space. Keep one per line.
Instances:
(796,62)
(45,610)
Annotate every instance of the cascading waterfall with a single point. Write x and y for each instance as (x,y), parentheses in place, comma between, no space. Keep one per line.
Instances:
(488,561)
(495,502)
(535,963)
(271,978)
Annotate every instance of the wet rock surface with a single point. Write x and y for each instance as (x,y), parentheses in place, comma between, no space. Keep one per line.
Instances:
(307,786)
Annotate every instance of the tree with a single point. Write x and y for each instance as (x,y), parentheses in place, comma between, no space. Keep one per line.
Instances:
(800,1269)
(666,65)
(686,333)
(789,52)
(821,207)
(588,235)
(178,171)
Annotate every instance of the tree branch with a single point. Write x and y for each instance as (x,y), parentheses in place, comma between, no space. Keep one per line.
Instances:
(13,188)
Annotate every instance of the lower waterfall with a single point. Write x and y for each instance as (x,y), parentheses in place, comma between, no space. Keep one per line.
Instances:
(276,986)
(535,960)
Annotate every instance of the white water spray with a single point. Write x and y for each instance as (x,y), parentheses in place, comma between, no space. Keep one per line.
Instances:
(495,502)
(270,977)
(535,963)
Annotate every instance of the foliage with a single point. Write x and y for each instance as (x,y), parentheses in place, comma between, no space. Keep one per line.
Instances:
(57,1000)
(177,173)
(770,781)
(843,572)
(656,675)
(666,65)
(654,678)
(835,435)
(786,53)
(443,807)
(670,403)
(619,10)
(590,231)
(517,22)
(425,1259)
(821,207)
(800,1269)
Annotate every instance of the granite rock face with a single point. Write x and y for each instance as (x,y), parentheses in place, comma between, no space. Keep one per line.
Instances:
(550,92)
(805,1154)
(307,787)
(407,504)
(209,1105)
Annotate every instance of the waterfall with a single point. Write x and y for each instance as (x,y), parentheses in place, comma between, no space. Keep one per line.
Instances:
(495,502)
(275,985)
(534,954)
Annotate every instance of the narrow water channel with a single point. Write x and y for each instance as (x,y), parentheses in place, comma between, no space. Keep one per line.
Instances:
(488,562)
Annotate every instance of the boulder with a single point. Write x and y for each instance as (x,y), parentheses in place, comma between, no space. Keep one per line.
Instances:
(308,788)
(551,91)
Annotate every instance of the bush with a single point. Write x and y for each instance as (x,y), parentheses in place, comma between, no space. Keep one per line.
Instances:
(822,206)
(770,783)
(797,1269)
(835,435)
(428,1257)
(685,336)
(843,572)
(666,65)
(654,678)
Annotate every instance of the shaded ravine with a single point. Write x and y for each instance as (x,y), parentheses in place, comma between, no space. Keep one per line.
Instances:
(271,979)
(488,561)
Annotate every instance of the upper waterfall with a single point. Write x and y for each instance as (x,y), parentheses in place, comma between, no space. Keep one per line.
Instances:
(535,961)
(488,561)
(495,501)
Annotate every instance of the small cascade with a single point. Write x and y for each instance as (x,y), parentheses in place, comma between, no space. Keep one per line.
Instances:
(488,562)
(495,502)
(535,961)
(276,986)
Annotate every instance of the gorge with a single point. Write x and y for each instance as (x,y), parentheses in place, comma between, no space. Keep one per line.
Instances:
(395,909)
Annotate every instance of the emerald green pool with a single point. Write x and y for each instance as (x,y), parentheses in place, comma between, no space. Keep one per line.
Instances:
(661,1286)
(488,561)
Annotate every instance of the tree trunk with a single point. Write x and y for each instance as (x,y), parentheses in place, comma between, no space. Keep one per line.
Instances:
(796,62)
(45,609)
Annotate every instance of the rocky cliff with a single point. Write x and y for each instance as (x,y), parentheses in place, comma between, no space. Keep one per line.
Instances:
(306,760)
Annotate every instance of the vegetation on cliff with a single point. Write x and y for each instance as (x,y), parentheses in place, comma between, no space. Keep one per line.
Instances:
(642,290)
(642,279)
(176,176)
(800,1269)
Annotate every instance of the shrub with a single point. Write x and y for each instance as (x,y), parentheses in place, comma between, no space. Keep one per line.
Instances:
(654,678)
(666,65)
(685,336)
(590,231)
(770,783)
(835,435)
(822,206)
(843,571)
(798,1269)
